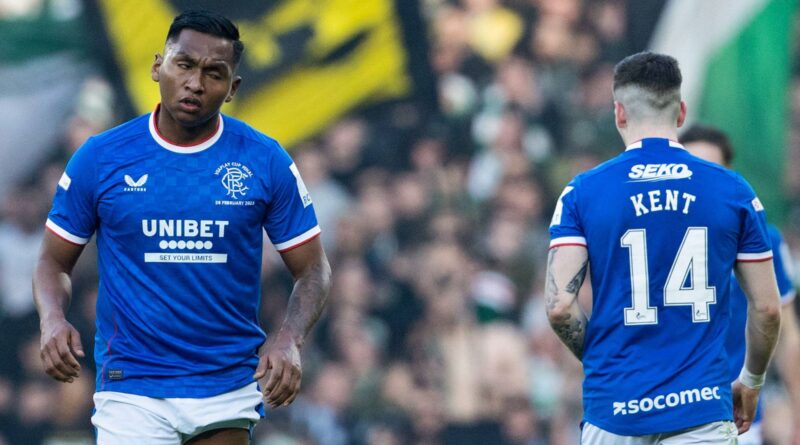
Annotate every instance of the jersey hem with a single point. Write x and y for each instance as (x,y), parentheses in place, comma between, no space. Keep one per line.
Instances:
(64,234)
(664,427)
(299,240)
(164,392)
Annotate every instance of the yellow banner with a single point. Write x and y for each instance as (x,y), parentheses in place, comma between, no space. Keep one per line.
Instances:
(305,63)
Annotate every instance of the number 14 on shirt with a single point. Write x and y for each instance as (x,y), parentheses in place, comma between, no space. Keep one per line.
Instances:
(691,262)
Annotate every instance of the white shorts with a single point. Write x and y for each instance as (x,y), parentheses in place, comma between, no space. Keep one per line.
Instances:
(127,419)
(752,436)
(710,433)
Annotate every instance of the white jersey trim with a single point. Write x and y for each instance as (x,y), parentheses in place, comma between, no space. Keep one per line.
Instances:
(763,256)
(188,149)
(638,144)
(298,240)
(568,241)
(64,234)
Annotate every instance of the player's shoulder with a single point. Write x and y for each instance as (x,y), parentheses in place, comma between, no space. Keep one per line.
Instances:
(252,137)
(104,142)
(712,168)
(600,171)
(122,133)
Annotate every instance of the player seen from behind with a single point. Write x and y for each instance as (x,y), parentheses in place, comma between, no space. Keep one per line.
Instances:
(660,231)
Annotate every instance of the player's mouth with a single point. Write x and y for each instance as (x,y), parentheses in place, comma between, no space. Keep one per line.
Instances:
(189,105)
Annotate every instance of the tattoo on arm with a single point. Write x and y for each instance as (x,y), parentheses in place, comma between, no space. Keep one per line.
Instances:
(552,287)
(308,299)
(572,332)
(569,324)
(576,282)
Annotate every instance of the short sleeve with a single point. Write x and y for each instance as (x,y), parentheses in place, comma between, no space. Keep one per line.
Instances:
(754,241)
(565,226)
(784,270)
(290,220)
(73,216)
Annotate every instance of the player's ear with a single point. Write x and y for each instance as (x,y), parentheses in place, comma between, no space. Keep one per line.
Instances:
(620,116)
(156,65)
(237,80)
(682,114)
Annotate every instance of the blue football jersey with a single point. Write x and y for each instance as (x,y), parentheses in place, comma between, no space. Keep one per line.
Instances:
(736,344)
(179,236)
(663,229)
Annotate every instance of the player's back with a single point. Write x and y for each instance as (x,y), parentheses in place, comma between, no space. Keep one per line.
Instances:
(663,230)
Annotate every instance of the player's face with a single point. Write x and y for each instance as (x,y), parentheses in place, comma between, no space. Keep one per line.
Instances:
(706,151)
(195,76)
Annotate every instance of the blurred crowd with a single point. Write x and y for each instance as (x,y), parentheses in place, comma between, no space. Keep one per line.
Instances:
(436,227)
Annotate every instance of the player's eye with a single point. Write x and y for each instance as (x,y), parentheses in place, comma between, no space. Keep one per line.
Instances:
(183,65)
(215,75)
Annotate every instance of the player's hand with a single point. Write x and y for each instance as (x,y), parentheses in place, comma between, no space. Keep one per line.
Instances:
(745,401)
(280,364)
(60,349)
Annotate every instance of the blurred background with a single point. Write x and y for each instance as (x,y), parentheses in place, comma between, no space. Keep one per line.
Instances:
(434,137)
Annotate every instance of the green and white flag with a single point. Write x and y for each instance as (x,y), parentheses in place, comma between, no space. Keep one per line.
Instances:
(735,56)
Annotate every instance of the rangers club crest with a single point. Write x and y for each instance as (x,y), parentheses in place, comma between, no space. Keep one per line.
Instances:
(234,176)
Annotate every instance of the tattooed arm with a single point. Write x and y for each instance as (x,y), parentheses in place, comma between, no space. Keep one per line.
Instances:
(280,362)
(566,270)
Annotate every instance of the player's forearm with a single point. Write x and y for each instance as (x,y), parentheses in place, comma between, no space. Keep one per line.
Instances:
(570,327)
(52,289)
(307,301)
(566,272)
(788,359)
(763,328)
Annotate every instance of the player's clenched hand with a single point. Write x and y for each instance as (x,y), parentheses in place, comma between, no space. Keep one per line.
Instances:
(745,401)
(280,363)
(60,349)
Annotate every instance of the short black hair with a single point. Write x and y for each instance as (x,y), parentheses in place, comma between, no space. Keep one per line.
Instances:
(657,73)
(712,135)
(207,22)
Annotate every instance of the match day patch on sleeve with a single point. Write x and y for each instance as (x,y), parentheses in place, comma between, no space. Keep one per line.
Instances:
(65,181)
(757,205)
(301,186)
(556,220)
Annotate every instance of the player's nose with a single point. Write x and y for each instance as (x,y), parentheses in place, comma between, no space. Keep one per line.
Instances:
(194,82)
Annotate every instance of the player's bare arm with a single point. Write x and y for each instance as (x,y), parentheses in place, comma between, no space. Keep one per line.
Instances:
(52,290)
(763,327)
(566,271)
(280,362)
(788,361)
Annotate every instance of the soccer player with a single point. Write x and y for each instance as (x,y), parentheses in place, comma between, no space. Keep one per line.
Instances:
(714,146)
(179,199)
(660,231)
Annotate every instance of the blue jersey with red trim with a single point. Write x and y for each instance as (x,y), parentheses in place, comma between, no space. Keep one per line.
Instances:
(179,235)
(735,343)
(663,229)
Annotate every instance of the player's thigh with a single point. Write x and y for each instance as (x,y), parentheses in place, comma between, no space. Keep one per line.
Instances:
(120,419)
(224,436)
(594,435)
(716,433)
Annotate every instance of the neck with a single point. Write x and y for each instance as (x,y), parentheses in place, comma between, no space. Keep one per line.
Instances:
(171,130)
(632,133)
